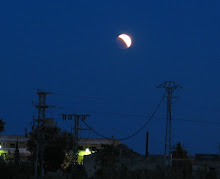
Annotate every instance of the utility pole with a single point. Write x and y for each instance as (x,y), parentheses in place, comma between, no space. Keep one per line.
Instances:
(77,118)
(147,143)
(41,106)
(170,87)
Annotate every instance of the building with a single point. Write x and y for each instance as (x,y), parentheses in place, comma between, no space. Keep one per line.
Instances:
(8,145)
(86,146)
(90,145)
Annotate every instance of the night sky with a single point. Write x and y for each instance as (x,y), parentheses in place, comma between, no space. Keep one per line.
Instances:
(68,48)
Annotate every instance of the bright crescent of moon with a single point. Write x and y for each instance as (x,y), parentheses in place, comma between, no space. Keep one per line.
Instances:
(126,39)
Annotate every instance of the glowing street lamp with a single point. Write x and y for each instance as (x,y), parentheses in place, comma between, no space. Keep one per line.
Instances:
(87,150)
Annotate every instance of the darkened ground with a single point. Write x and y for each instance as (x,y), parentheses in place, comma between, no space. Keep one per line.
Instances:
(117,163)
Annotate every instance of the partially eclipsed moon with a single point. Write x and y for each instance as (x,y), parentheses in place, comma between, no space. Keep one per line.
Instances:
(123,41)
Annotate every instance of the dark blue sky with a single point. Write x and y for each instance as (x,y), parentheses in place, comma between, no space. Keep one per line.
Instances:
(68,47)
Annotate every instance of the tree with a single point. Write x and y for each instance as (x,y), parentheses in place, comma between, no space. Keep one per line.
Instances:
(179,152)
(2,125)
(56,144)
(181,164)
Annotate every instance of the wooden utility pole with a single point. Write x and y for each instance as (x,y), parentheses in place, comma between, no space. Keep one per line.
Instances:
(147,143)
(77,118)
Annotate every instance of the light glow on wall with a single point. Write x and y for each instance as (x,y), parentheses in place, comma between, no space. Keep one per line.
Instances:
(82,153)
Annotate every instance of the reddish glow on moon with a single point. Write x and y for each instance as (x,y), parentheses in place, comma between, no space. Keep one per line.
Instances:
(123,41)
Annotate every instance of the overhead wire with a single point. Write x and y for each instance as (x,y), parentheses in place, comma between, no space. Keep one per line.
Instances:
(196,121)
(135,133)
(151,117)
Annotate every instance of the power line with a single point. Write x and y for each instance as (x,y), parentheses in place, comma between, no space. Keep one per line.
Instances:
(197,121)
(135,133)
(58,114)
(151,117)
(123,114)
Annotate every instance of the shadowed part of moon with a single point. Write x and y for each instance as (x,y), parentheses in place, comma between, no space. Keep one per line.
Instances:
(120,43)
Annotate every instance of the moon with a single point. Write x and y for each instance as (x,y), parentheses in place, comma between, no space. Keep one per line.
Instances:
(123,41)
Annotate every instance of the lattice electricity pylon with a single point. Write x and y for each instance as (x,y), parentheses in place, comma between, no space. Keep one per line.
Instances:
(41,106)
(170,87)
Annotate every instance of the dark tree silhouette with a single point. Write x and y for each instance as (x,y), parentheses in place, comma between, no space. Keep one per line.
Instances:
(57,143)
(179,151)
(181,164)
